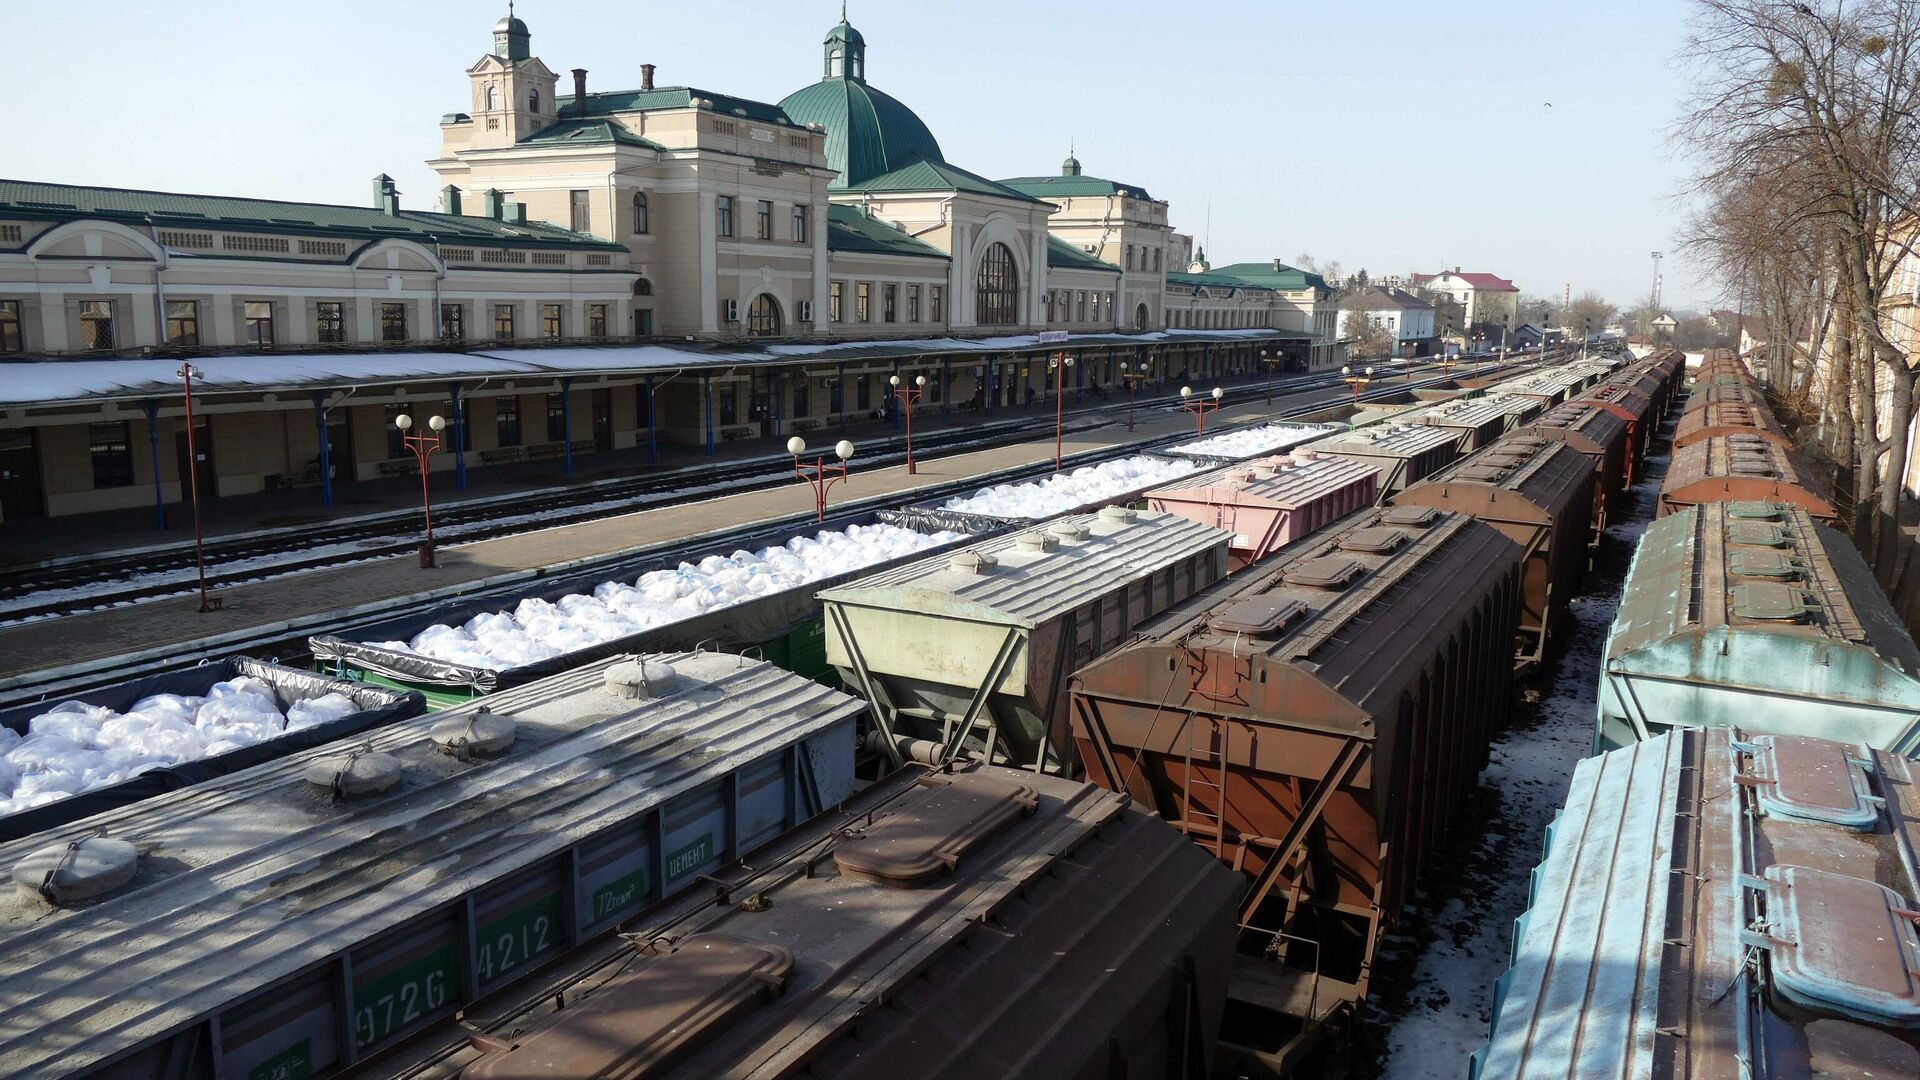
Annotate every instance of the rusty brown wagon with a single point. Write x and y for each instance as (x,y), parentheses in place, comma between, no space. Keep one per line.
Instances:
(1741,468)
(1604,438)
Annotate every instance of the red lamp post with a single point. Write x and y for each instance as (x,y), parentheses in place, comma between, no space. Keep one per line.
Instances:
(1356,383)
(908,395)
(1059,362)
(1272,361)
(1200,406)
(824,476)
(423,445)
(187,374)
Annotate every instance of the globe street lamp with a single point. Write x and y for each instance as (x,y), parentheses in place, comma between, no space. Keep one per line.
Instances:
(1272,360)
(907,395)
(187,374)
(1201,406)
(1356,383)
(1132,374)
(1059,362)
(422,445)
(824,476)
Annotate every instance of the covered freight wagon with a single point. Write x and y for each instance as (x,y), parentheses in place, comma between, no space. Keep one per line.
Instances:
(1515,411)
(1314,722)
(967,655)
(1270,503)
(1539,494)
(1402,454)
(1719,904)
(1549,386)
(306,915)
(1741,468)
(1606,440)
(1477,421)
(159,733)
(1633,407)
(1716,418)
(1012,924)
(748,592)
(1753,614)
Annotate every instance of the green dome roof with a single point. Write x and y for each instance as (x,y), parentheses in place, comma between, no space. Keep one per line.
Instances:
(869,134)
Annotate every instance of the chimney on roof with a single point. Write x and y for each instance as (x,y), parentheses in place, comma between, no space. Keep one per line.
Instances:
(450,200)
(1278,266)
(495,202)
(579,91)
(386,197)
(519,215)
(646,76)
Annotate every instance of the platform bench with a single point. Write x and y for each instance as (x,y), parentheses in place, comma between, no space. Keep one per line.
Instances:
(398,468)
(503,455)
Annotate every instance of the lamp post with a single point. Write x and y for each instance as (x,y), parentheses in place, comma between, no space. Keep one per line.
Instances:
(1356,383)
(1200,406)
(187,374)
(1271,360)
(1506,335)
(1132,374)
(907,395)
(1059,362)
(422,445)
(824,476)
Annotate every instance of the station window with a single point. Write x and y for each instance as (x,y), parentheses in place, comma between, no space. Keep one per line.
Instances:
(258,316)
(763,220)
(12,338)
(834,311)
(581,219)
(393,322)
(863,393)
(96,324)
(556,417)
(396,438)
(799,224)
(330,322)
(597,320)
(913,303)
(863,302)
(727,398)
(889,303)
(723,215)
(453,322)
(643,322)
(183,322)
(506,421)
(642,407)
(110,446)
(503,324)
(936,303)
(640,213)
(550,321)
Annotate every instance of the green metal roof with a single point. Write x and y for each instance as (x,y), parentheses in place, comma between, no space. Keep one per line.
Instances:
(588,131)
(1064,256)
(1213,279)
(940,176)
(63,202)
(1285,279)
(672,97)
(869,134)
(849,229)
(1066,187)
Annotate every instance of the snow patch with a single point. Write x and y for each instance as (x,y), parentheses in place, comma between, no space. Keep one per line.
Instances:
(1062,492)
(1251,441)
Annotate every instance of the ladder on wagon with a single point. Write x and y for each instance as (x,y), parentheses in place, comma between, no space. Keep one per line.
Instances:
(1196,817)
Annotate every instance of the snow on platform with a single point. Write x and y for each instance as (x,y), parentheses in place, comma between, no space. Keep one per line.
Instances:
(536,629)
(1066,491)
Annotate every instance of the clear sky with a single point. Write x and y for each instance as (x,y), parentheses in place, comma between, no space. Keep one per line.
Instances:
(1391,135)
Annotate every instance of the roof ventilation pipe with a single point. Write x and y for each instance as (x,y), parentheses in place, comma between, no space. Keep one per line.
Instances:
(579,91)
(646,76)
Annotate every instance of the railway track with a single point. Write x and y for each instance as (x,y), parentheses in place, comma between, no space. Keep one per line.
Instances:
(286,640)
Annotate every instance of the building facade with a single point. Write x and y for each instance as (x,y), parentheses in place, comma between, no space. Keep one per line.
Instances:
(1483,298)
(1407,317)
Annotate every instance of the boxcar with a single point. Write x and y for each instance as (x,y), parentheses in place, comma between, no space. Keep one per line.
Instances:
(1719,904)
(1313,722)
(1403,454)
(305,915)
(968,654)
(953,924)
(1752,614)
(1539,494)
(1477,421)
(1741,468)
(1271,503)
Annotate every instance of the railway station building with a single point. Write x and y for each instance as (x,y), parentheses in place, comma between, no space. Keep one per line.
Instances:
(602,270)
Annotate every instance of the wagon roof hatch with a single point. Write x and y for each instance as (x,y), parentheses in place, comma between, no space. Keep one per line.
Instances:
(1757,533)
(1754,510)
(1768,564)
(1374,541)
(928,837)
(1414,517)
(1811,779)
(1257,616)
(1767,600)
(1326,572)
(1843,943)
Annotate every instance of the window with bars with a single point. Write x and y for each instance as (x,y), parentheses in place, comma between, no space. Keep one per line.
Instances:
(257,316)
(96,324)
(254,243)
(597,259)
(457,254)
(12,330)
(183,322)
(110,446)
(763,220)
(453,322)
(393,322)
(549,258)
(506,421)
(502,255)
(330,322)
(551,322)
(334,248)
(596,320)
(503,323)
(175,238)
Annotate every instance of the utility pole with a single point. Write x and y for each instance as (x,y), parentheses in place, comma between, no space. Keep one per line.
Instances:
(1653,298)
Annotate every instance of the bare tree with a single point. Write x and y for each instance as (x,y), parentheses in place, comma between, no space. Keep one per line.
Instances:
(1368,335)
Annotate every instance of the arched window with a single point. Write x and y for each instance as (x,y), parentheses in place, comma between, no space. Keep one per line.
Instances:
(763,317)
(640,213)
(493,97)
(642,287)
(996,289)
(533,100)
(1140,317)
(835,64)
